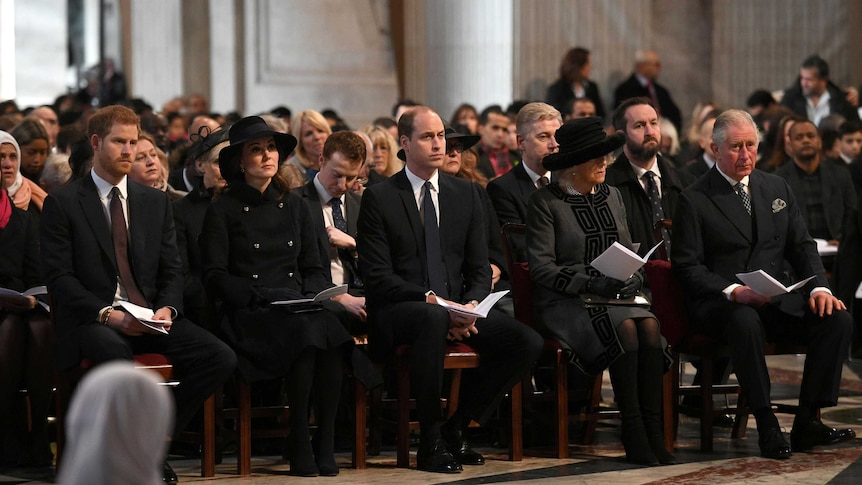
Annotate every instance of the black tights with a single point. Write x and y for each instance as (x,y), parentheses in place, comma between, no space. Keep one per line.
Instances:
(26,342)
(321,370)
(644,332)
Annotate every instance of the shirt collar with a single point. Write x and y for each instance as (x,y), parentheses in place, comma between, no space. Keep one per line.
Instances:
(534,177)
(104,187)
(417,182)
(323,194)
(640,171)
(709,160)
(730,180)
(642,80)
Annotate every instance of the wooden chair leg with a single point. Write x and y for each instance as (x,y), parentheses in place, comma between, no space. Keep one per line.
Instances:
(741,424)
(361,418)
(706,415)
(675,393)
(594,404)
(244,425)
(516,444)
(562,390)
(375,435)
(60,399)
(403,428)
(454,393)
(667,410)
(209,438)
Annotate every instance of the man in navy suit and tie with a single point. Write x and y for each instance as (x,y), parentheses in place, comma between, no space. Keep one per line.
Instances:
(107,240)
(422,238)
(736,219)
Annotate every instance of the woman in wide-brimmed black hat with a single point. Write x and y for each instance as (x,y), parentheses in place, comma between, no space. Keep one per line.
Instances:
(570,222)
(259,246)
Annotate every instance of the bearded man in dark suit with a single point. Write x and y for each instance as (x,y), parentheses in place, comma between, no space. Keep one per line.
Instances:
(89,273)
(736,220)
(422,238)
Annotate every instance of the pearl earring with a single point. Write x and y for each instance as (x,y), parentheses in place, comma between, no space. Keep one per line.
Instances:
(242,170)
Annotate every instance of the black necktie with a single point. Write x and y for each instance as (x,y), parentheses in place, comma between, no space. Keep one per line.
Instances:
(746,200)
(121,250)
(544,181)
(433,256)
(657,209)
(347,259)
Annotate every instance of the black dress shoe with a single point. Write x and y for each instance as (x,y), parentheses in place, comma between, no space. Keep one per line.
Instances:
(773,445)
(724,420)
(434,457)
(461,450)
(805,436)
(169,476)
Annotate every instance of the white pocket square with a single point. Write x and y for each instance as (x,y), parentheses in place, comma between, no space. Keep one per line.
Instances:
(778,205)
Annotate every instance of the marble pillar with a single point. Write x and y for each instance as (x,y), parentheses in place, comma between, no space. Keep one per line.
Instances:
(39,60)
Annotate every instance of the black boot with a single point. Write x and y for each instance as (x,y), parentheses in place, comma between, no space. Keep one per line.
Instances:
(650,371)
(624,377)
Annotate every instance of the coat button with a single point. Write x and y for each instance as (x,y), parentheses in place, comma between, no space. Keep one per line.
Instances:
(245,209)
(254,276)
(290,275)
(256,246)
(290,244)
(281,205)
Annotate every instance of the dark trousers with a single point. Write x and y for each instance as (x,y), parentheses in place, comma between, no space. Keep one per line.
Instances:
(507,350)
(747,329)
(201,361)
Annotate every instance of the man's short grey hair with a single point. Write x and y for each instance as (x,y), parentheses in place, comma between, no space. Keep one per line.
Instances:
(731,117)
(533,112)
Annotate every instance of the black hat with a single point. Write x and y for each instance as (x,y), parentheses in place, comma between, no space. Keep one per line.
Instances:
(582,140)
(246,129)
(206,142)
(453,139)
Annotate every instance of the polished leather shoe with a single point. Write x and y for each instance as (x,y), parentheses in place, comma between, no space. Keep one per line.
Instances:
(805,436)
(169,476)
(773,445)
(724,420)
(434,457)
(461,450)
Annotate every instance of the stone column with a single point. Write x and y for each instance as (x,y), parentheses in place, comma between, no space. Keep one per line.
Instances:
(39,58)
(156,72)
(469,54)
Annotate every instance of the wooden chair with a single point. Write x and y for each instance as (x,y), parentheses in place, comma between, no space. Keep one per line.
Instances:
(66,380)
(553,353)
(459,356)
(668,304)
(245,412)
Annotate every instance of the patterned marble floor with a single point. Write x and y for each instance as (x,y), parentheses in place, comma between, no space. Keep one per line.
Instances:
(732,460)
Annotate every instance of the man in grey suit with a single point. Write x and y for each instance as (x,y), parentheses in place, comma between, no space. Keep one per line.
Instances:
(736,219)
(422,238)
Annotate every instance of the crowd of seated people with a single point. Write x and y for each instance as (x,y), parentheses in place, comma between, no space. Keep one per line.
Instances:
(260,209)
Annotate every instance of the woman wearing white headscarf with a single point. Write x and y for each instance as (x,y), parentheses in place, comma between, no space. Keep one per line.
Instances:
(26,194)
(117,428)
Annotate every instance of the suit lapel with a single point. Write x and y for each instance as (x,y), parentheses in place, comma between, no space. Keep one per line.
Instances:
(405,192)
(729,204)
(352,202)
(309,192)
(525,185)
(761,206)
(94,211)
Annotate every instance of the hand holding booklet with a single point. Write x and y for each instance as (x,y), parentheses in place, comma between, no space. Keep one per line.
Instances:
(323,295)
(36,291)
(620,262)
(145,316)
(761,282)
(481,310)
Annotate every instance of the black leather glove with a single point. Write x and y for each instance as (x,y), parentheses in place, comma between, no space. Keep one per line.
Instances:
(631,287)
(604,286)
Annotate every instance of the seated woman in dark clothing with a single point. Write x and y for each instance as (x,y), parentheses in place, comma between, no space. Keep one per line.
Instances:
(569,223)
(26,337)
(189,218)
(258,245)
